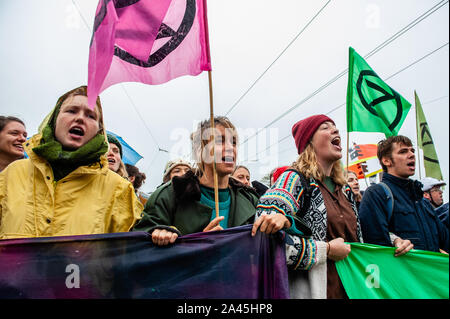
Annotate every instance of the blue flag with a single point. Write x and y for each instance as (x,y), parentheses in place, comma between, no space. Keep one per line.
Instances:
(130,156)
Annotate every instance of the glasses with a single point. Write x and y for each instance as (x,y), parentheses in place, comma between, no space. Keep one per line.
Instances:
(436,189)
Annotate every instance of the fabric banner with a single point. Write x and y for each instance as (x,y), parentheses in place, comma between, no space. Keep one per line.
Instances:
(146,41)
(372,105)
(425,142)
(372,272)
(223,264)
(368,168)
(362,152)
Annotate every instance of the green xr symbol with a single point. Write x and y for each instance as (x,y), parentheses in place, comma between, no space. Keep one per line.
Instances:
(394,96)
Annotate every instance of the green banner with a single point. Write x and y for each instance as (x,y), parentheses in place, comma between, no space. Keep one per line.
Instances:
(372,272)
(372,105)
(425,142)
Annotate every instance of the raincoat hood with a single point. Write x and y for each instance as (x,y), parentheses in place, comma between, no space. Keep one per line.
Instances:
(64,161)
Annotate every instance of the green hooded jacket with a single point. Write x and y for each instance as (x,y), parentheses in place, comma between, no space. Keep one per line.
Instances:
(176,206)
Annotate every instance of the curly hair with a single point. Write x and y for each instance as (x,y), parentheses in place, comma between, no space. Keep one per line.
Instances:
(139,178)
(308,165)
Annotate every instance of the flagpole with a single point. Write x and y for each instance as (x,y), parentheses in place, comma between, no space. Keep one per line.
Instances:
(347,147)
(211,112)
(417,134)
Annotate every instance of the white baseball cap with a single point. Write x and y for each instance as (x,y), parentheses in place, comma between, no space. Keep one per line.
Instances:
(430,182)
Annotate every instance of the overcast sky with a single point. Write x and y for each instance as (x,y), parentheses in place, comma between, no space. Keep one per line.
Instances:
(46,45)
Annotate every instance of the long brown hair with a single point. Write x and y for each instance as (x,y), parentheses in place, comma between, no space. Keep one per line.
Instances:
(308,165)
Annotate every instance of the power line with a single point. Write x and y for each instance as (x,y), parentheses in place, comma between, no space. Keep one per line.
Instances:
(341,74)
(343,104)
(276,59)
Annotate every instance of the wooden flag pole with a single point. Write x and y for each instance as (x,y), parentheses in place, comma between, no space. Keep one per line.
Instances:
(417,133)
(211,112)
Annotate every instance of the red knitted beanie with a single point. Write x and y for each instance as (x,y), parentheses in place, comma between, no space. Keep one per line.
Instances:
(278,172)
(303,130)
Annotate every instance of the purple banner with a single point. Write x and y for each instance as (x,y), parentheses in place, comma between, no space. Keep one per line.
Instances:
(217,265)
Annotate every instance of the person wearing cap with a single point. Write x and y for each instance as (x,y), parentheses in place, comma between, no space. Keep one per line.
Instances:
(114,156)
(186,204)
(432,191)
(173,168)
(394,212)
(327,220)
(277,172)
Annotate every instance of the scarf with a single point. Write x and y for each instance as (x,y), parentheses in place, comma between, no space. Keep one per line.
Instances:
(65,161)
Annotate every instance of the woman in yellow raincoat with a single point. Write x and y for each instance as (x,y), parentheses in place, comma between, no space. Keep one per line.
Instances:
(65,186)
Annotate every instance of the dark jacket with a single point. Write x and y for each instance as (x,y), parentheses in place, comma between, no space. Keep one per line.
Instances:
(412,218)
(442,212)
(176,206)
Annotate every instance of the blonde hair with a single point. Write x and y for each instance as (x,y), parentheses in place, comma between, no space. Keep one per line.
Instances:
(308,165)
(122,171)
(199,140)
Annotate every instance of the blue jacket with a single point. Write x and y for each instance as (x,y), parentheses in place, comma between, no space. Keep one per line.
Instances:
(442,212)
(413,216)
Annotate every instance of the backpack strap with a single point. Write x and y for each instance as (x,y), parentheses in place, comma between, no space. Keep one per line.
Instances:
(307,192)
(390,199)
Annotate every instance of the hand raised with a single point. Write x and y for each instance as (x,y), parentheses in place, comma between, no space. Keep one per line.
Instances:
(214,224)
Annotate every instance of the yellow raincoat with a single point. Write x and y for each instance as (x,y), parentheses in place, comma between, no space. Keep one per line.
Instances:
(92,199)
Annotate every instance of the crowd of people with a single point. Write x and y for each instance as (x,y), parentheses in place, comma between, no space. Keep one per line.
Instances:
(74,182)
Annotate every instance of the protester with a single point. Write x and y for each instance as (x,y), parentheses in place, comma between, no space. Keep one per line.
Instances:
(313,204)
(177,167)
(352,181)
(242,174)
(277,172)
(65,187)
(137,178)
(432,191)
(186,204)
(114,156)
(271,181)
(394,212)
(442,213)
(12,135)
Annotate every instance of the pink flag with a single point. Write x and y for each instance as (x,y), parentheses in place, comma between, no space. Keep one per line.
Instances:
(147,41)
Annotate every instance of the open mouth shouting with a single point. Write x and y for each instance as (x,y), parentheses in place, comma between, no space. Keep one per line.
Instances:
(336,142)
(76,132)
(411,165)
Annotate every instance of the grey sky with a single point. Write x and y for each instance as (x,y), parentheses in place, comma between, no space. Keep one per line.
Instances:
(46,46)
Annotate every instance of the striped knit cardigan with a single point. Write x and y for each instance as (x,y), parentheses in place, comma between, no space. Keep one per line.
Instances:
(305,255)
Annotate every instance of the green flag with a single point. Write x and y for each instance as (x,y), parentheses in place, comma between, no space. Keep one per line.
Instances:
(372,272)
(372,105)
(425,142)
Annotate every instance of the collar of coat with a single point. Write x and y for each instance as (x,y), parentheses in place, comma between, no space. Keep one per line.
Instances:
(100,166)
(187,187)
(413,187)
